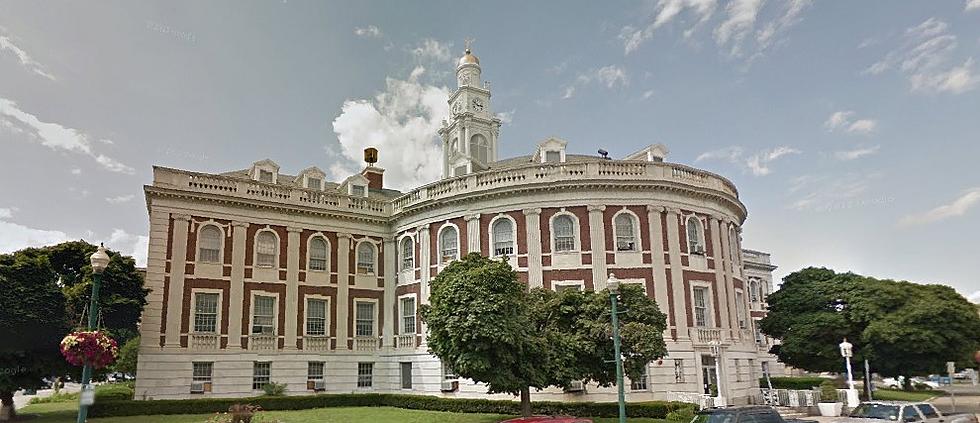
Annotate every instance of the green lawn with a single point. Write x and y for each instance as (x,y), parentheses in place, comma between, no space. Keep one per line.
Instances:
(897,395)
(65,413)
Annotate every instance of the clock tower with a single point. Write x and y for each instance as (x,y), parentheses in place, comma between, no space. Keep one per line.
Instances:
(469,135)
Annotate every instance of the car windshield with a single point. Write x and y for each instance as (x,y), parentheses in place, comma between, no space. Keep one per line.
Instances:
(714,418)
(876,411)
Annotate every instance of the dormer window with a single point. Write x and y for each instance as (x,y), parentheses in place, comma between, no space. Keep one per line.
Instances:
(551,150)
(552,156)
(358,190)
(265,176)
(314,183)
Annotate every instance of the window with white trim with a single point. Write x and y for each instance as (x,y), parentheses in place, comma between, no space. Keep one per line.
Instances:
(318,254)
(694,236)
(265,176)
(448,245)
(678,370)
(754,290)
(205,312)
(625,232)
(448,373)
(700,306)
(365,375)
(358,190)
(552,156)
(265,249)
(408,253)
(209,245)
(503,237)
(562,286)
(640,384)
(261,374)
(480,148)
(316,317)
(314,183)
(264,315)
(740,309)
(407,307)
(564,236)
(314,370)
(365,258)
(202,371)
(364,318)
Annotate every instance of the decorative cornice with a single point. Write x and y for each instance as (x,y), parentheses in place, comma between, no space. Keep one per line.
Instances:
(181,217)
(471,217)
(655,209)
(532,212)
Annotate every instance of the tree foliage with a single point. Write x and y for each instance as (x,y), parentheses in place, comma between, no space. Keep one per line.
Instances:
(128,355)
(902,328)
(486,325)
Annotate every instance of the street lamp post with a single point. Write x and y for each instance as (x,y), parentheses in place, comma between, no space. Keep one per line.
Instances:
(99,262)
(613,285)
(847,351)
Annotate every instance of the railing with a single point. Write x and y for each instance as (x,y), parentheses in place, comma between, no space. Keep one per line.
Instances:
(204,341)
(705,335)
(790,397)
(365,343)
(406,341)
(316,343)
(262,342)
(702,400)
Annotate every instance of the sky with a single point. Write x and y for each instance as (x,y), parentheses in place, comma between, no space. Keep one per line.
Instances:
(852,129)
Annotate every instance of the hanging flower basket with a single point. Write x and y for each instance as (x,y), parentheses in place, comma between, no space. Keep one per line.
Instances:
(89,348)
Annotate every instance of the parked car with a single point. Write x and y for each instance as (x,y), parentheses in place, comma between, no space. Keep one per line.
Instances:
(548,419)
(896,383)
(904,412)
(743,414)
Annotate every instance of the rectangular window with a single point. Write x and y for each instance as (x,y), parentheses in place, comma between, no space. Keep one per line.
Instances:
(365,375)
(641,383)
(460,171)
(261,373)
(760,339)
(552,156)
(357,190)
(408,315)
(448,373)
(364,315)
(751,370)
(700,306)
(316,317)
(265,176)
(314,370)
(202,371)
(406,375)
(738,370)
(313,183)
(205,312)
(560,287)
(263,315)
(740,310)
(678,370)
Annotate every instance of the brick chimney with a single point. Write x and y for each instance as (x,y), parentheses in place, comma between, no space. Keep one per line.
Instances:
(375,176)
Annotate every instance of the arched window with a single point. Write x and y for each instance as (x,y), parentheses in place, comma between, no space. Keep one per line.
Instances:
(318,254)
(365,258)
(694,244)
(733,245)
(448,240)
(265,249)
(564,233)
(503,238)
(209,245)
(625,232)
(754,290)
(408,253)
(480,148)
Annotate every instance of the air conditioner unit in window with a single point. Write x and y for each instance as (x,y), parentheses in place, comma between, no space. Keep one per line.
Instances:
(450,386)
(697,249)
(267,330)
(319,385)
(197,387)
(576,386)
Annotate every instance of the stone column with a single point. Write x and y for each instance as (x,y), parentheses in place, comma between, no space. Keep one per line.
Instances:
(425,276)
(175,297)
(391,272)
(343,289)
(532,220)
(657,250)
(721,280)
(155,272)
(729,282)
(597,230)
(677,273)
(292,285)
(473,233)
(236,291)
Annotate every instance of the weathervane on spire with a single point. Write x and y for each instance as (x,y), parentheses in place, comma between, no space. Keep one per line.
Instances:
(468,41)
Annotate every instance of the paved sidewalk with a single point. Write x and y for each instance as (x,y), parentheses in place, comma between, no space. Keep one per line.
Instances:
(21,400)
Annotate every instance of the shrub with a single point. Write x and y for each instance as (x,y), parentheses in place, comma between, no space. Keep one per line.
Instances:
(114,391)
(652,409)
(828,391)
(683,415)
(797,383)
(274,389)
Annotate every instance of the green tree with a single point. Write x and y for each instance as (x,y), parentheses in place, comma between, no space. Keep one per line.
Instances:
(128,355)
(902,328)
(31,322)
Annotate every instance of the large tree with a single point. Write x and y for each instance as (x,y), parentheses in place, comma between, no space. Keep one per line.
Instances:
(484,323)
(900,327)
(32,322)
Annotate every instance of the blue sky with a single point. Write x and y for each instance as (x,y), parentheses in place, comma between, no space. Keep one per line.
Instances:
(850,128)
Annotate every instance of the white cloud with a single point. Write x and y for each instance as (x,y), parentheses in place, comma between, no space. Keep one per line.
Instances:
(975,297)
(958,207)
(741,19)
(25,59)
(506,117)
(856,153)
(843,120)
(647,94)
(6,213)
(757,163)
(666,11)
(432,49)
(833,191)
(925,57)
(55,136)
(120,199)
(972,5)
(370,31)
(402,123)
(129,244)
(76,171)
(610,76)
(14,236)
(569,92)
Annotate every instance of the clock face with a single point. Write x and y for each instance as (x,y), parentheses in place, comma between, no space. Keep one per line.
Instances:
(478,104)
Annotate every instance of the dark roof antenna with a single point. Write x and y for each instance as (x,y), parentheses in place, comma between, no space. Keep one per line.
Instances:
(604,154)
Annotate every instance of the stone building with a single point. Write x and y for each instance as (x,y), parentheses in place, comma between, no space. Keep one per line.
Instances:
(260,276)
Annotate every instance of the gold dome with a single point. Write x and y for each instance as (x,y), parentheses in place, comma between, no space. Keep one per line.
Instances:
(469,58)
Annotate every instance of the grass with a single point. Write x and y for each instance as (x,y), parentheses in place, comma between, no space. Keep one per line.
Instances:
(64,412)
(897,395)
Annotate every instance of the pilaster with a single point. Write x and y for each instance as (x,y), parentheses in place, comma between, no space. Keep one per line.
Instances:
(677,274)
(292,284)
(473,233)
(657,249)
(728,272)
(388,312)
(175,297)
(532,220)
(722,281)
(597,230)
(424,259)
(236,290)
(343,289)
